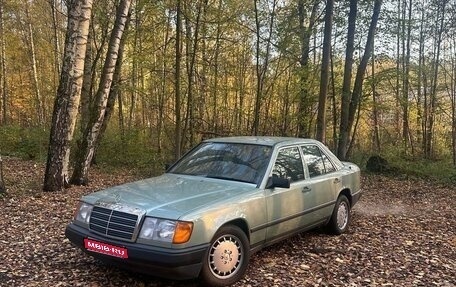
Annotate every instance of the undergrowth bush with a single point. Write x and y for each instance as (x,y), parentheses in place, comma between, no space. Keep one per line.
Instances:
(136,151)
(440,168)
(27,143)
(133,150)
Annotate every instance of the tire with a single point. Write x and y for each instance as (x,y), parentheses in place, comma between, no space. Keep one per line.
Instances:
(340,217)
(227,258)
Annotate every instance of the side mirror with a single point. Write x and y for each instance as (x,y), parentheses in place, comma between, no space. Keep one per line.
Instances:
(275,181)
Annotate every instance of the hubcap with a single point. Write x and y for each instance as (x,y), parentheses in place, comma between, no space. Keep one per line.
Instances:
(342,215)
(225,256)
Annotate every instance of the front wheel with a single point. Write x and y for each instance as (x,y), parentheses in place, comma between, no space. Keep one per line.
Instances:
(227,257)
(340,217)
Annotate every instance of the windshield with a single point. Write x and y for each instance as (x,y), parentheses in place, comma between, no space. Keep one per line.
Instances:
(231,161)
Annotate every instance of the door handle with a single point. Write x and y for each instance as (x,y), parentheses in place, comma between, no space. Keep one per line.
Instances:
(306,189)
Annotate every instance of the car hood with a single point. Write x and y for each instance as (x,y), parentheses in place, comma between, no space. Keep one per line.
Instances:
(169,195)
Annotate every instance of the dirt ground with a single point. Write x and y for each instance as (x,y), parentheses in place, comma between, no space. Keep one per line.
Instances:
(403,233)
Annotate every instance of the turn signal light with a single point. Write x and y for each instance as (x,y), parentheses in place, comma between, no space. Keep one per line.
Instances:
(183,232)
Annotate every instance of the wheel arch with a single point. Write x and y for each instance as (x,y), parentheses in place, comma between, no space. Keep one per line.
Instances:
(241,223)
(348,195)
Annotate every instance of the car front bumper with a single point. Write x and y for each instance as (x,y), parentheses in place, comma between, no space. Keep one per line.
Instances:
(178,264)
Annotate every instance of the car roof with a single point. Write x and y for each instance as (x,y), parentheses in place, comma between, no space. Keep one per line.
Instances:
(263,140)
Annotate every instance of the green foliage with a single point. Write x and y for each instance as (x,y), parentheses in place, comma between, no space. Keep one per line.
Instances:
(441,169)
(26,143)
(134,151)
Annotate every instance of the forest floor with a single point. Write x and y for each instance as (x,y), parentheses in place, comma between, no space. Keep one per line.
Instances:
(403,233)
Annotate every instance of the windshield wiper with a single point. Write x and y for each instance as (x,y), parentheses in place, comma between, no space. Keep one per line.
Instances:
(227,178)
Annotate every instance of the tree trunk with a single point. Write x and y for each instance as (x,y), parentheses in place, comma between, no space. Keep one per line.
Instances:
(258,96)
(433,100)
(93,56)
(405,119)
(68,95)
(114,91)
(399,103)
(261,69)
(451,89)
(419,106)
(189,118)
(358,85)
(92,133)
(346,85)
(135,73)
(324,78)
(376,137)
(334,104)
(177,92)
(242,75)
(4,82)
(38,97)
(57,60)
(163,95)
(357,88)
(86,91)
(121,116)
(305,34)
(215,116)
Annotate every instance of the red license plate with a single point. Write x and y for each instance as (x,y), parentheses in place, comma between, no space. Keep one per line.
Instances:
(104,248)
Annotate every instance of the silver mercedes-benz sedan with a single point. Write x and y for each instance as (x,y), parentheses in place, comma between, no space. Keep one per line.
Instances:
(223,200)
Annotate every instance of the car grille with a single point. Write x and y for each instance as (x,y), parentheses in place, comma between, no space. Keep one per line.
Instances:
(113,223)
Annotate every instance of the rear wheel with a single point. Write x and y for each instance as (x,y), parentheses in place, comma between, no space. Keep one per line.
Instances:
(340,217)
(227,258)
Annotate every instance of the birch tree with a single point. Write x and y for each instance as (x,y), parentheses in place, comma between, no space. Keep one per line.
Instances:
(68,96)
(92,132)
(31,42)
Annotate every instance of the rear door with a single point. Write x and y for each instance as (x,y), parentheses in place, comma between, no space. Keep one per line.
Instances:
(324,181)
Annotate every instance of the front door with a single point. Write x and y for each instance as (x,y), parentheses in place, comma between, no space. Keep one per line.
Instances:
(287,206)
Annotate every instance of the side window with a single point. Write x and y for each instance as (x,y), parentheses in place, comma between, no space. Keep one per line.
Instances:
(314,160)
(328,164)
(289,165)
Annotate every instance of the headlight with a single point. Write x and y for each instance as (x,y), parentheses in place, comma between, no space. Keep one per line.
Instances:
(83,212)
(166,230)
(148,228)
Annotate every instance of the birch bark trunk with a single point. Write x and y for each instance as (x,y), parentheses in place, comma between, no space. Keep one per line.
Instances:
(92,132)
(38,97)
(68,96)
